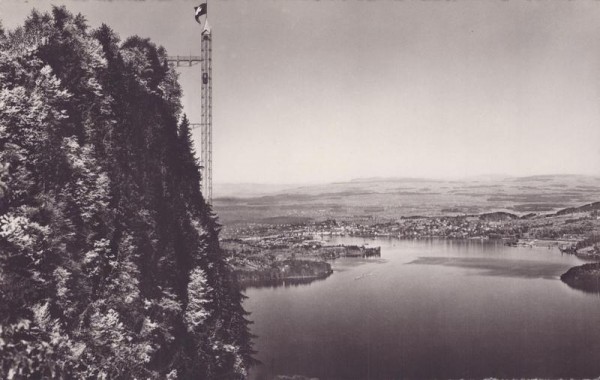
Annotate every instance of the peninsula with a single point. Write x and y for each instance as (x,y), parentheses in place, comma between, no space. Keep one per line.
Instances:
(264,253)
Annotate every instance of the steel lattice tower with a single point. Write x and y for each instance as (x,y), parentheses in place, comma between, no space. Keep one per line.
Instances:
(206,117)
(205,125)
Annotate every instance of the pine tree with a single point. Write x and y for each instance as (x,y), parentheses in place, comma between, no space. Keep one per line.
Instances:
(110,265)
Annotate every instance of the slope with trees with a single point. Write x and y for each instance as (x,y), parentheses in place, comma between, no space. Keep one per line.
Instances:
(110,265)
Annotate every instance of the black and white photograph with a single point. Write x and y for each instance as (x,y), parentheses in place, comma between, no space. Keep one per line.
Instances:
(299,189)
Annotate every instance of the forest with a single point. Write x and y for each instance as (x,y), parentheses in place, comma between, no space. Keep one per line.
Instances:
(110,265)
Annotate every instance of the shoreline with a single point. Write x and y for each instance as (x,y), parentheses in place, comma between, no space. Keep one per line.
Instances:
(290,271)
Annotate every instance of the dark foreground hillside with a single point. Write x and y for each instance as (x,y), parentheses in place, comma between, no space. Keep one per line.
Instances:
(110,265)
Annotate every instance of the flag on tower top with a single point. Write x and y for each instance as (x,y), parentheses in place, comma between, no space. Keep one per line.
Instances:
(199,11)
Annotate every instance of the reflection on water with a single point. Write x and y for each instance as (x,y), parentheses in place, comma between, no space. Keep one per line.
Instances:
(498,267)
(341,265)
(458,310)
(276,283)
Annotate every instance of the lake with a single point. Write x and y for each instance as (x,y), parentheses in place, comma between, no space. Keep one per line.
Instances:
(430,309)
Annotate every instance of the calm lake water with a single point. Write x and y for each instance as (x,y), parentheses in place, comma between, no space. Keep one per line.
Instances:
(431,309)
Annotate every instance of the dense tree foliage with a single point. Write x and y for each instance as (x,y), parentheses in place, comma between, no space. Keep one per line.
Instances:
(110,264)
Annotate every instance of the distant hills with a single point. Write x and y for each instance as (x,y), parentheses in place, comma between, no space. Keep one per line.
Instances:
(397,197)
(584,208)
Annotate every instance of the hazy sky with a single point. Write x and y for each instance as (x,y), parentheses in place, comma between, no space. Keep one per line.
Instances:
(320,91)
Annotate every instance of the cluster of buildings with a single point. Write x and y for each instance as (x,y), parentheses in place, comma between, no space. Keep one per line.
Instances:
(421,227)
(562,228)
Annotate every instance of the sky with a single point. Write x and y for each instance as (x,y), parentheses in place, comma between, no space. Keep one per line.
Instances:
(322,91)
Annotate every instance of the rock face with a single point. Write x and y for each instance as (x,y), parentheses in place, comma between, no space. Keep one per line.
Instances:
(292,271)
(585,277)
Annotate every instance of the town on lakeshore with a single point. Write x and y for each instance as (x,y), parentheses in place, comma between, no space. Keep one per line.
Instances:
(263,253)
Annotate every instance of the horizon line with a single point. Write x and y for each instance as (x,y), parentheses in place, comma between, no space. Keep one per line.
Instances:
(415,178)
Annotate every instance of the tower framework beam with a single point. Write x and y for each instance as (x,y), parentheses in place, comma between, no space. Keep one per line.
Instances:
(180,60)
(205,125)
(206,116)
